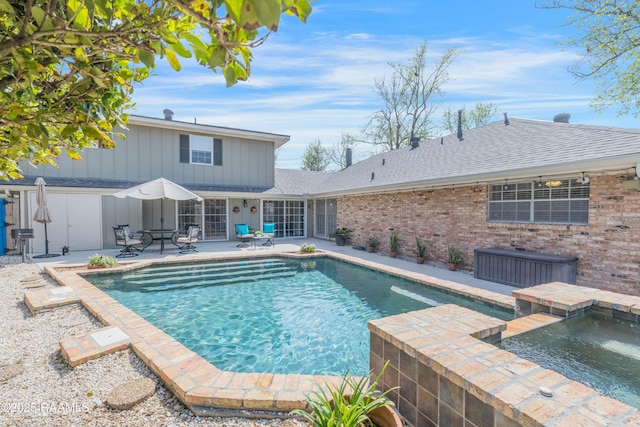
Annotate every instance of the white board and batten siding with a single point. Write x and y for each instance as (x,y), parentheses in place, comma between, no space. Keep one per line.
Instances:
(148,153)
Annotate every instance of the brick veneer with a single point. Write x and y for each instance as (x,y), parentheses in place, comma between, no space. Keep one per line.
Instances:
(608,248)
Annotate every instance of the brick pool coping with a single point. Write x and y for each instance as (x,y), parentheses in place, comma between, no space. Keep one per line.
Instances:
(202,387)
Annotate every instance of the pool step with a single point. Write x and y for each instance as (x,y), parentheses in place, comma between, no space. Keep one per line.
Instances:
(213,266)
(79,349)
(529,323)
(173,285)
(213,275)
(50,298)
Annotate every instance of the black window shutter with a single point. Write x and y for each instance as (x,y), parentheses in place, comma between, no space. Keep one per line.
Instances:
(184,149)
(217,152)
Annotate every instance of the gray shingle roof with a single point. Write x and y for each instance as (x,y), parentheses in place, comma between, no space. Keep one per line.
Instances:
(524,148)
(289,181)
(117,184)
(491,152)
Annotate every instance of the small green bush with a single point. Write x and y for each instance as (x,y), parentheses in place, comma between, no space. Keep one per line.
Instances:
(347,405)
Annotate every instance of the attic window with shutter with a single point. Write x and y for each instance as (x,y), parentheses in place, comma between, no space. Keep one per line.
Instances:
(561,201)
(200,150)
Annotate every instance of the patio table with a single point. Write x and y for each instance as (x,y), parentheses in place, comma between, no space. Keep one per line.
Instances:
(164,234)
(255,239)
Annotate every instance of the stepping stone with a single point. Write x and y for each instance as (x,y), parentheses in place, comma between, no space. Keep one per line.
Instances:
(49,298)
(79,349)
(129,394)
(10,371)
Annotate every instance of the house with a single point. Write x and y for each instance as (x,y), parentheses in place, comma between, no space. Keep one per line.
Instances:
(541,186)
(232,169)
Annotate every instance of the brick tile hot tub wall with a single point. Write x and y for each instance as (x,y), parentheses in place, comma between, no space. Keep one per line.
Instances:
(449,377)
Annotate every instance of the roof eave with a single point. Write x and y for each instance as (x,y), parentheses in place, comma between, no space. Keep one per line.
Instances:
(609,164)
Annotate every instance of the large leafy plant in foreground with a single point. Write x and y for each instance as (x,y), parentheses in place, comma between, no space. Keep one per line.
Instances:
(68,68)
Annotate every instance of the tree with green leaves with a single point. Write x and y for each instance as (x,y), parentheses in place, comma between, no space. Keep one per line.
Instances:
(315,157)
(68,68)
(407,98)
(482,114)
(608,34)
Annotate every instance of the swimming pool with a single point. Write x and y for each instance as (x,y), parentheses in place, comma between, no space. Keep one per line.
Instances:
(595,349)
(274,315)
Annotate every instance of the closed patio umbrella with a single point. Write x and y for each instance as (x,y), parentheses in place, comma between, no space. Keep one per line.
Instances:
(160,188)
(42,215)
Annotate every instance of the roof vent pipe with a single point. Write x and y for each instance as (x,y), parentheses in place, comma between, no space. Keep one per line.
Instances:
(415,142)
(168,114)
(506,119)
(348,157)
(460,125)
(562,118)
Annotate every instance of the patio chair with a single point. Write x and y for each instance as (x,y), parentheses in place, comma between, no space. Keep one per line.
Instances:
(128,243)
(269,231)
(131,236)
(185,242)
(242,233)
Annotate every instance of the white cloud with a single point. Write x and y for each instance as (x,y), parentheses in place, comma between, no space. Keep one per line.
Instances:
(322,86)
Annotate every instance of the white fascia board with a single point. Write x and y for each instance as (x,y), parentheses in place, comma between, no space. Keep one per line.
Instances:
(277,139)
(609,164)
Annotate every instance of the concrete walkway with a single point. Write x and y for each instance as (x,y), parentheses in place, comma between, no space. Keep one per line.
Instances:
(291,245)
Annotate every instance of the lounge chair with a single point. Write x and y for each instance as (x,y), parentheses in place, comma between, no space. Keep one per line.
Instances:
(269,231)
(127,242)
(242,233)
(185,242)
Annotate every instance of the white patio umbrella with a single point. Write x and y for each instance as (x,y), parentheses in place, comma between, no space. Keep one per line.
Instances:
(160,188)
(42,215)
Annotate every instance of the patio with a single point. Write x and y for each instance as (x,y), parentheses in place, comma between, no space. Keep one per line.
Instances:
(285,245)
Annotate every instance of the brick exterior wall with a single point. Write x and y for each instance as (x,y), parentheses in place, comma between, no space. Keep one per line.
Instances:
(608,248)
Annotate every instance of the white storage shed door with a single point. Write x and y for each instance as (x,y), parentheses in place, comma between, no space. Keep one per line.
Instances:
(76,221)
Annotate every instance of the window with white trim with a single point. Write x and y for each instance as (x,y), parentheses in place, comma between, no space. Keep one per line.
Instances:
(200,150)
(550,201)
(288,215)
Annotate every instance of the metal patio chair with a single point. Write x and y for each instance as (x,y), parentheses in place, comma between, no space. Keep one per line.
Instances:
(185,242)
(127,242)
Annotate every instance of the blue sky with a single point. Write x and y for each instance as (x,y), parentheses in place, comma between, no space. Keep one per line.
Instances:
(315,81)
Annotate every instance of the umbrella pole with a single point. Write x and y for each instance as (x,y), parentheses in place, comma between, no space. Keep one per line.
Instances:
(46,240)
(162,214)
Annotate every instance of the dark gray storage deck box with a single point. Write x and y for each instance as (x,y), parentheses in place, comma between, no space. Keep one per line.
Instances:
(522,269)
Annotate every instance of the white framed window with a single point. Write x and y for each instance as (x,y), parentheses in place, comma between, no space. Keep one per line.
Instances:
(201,149)
(326,216)
(549,201)
(288,215)
(210,215)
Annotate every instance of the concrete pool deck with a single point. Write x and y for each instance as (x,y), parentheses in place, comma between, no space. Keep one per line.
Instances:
(437,270)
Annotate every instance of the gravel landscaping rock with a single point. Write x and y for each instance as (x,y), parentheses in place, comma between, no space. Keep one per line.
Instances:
(51,393)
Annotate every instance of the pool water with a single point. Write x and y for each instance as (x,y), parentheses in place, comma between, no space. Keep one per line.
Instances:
(274,315)
(594,349)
